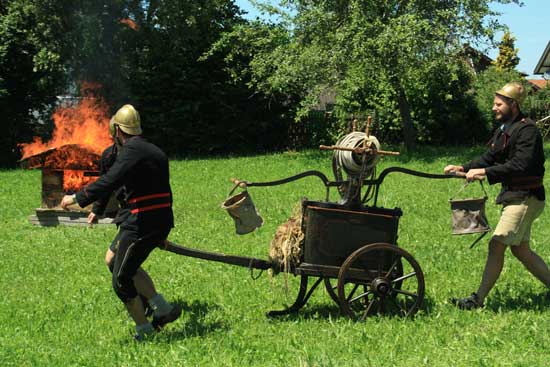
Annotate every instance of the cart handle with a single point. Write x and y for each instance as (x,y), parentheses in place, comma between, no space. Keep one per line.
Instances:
(378,181)
(318,174)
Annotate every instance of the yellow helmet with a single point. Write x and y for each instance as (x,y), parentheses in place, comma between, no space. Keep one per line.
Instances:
(514,91)
(127,119)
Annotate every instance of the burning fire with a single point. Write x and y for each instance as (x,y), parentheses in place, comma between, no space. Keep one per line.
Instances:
(130,23)
(86,124)
(74,180)
(80,135)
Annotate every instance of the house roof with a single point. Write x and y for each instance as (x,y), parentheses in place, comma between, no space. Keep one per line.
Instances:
(69,156)
(538,83)
(543,65)
(476,59)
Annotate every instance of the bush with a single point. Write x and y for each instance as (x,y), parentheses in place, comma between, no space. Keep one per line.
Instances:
(537,104)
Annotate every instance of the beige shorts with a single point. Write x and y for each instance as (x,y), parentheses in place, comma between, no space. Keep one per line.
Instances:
(514,226)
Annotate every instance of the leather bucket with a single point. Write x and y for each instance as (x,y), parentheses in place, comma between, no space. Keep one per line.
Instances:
(468,216)
(241,208)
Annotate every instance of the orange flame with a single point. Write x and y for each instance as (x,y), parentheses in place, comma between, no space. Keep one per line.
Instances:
(74,180)
(130,23)
(80,135)
(86,124)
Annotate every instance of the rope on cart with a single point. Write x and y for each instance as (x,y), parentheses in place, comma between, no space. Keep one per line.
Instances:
(251,268)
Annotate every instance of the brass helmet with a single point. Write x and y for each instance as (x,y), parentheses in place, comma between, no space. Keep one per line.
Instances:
(127,119)
(112,129)
(514,91)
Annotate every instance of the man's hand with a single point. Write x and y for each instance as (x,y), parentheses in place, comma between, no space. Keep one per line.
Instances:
(452,168)
(475,174)
(67,200)
(92,218)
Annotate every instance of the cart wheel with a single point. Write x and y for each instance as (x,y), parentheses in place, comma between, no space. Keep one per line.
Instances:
(391,279)
(331,286)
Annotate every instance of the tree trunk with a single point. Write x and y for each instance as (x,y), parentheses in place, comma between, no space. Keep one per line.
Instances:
(409,135)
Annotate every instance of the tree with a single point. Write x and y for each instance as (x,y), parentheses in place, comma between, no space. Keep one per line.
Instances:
(379,55)
(507,58)
(31,66)
(148,53)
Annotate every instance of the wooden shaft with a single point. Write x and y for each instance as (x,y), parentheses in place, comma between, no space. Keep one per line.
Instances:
(365,145)
(358,150)
(247,262)
(369,122)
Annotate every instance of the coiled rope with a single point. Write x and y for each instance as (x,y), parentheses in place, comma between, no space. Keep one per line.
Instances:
(353,163)
(358,166)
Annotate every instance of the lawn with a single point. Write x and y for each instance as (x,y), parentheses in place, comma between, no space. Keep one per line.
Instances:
(58,308)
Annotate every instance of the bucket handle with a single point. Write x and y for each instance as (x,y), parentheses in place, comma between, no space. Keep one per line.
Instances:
(465,185)
(238,183)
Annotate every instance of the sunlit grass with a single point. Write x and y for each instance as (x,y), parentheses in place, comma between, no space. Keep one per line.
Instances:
(58,309)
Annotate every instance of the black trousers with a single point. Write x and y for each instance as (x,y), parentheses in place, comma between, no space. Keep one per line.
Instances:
(132,249)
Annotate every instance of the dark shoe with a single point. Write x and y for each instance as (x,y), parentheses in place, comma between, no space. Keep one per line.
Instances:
(143,337)
(468,303)
(173,315)
(140,338)
(146,307)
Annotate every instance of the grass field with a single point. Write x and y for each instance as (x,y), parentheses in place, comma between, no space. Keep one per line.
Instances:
(57,307)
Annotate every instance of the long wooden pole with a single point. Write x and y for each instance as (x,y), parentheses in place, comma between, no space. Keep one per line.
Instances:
(358,150)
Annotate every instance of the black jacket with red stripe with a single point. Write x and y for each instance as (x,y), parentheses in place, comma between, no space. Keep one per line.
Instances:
(515,158)
(108,158)
(142,168)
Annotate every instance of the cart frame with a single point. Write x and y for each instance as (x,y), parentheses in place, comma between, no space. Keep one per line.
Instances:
(364,287)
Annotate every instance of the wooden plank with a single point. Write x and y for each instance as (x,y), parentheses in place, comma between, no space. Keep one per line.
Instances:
(46,217)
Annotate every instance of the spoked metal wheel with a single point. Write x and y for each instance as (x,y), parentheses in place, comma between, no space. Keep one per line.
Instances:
(380,279)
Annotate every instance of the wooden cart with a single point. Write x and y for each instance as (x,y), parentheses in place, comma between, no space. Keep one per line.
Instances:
(351,249)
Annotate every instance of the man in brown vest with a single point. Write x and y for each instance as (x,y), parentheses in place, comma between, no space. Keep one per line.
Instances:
(515,158)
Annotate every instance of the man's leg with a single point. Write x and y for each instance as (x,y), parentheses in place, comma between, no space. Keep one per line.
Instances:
(143,282)
(131,252)
(523,252)
(493,267)
(153,302)
(136,310)
(532,262)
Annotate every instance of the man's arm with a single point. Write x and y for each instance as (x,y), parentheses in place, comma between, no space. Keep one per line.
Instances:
(525,150)
(487,159)
(107,160)
(114,178)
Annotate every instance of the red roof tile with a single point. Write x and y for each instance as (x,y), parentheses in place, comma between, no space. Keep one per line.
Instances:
(539,83)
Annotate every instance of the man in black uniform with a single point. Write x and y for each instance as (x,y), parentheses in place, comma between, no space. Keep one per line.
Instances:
(142,169)
(515,158)
(142,280)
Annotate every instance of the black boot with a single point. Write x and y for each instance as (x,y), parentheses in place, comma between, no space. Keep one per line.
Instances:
(468,303)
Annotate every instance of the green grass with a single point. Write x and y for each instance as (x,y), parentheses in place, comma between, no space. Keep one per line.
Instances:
(58,309)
